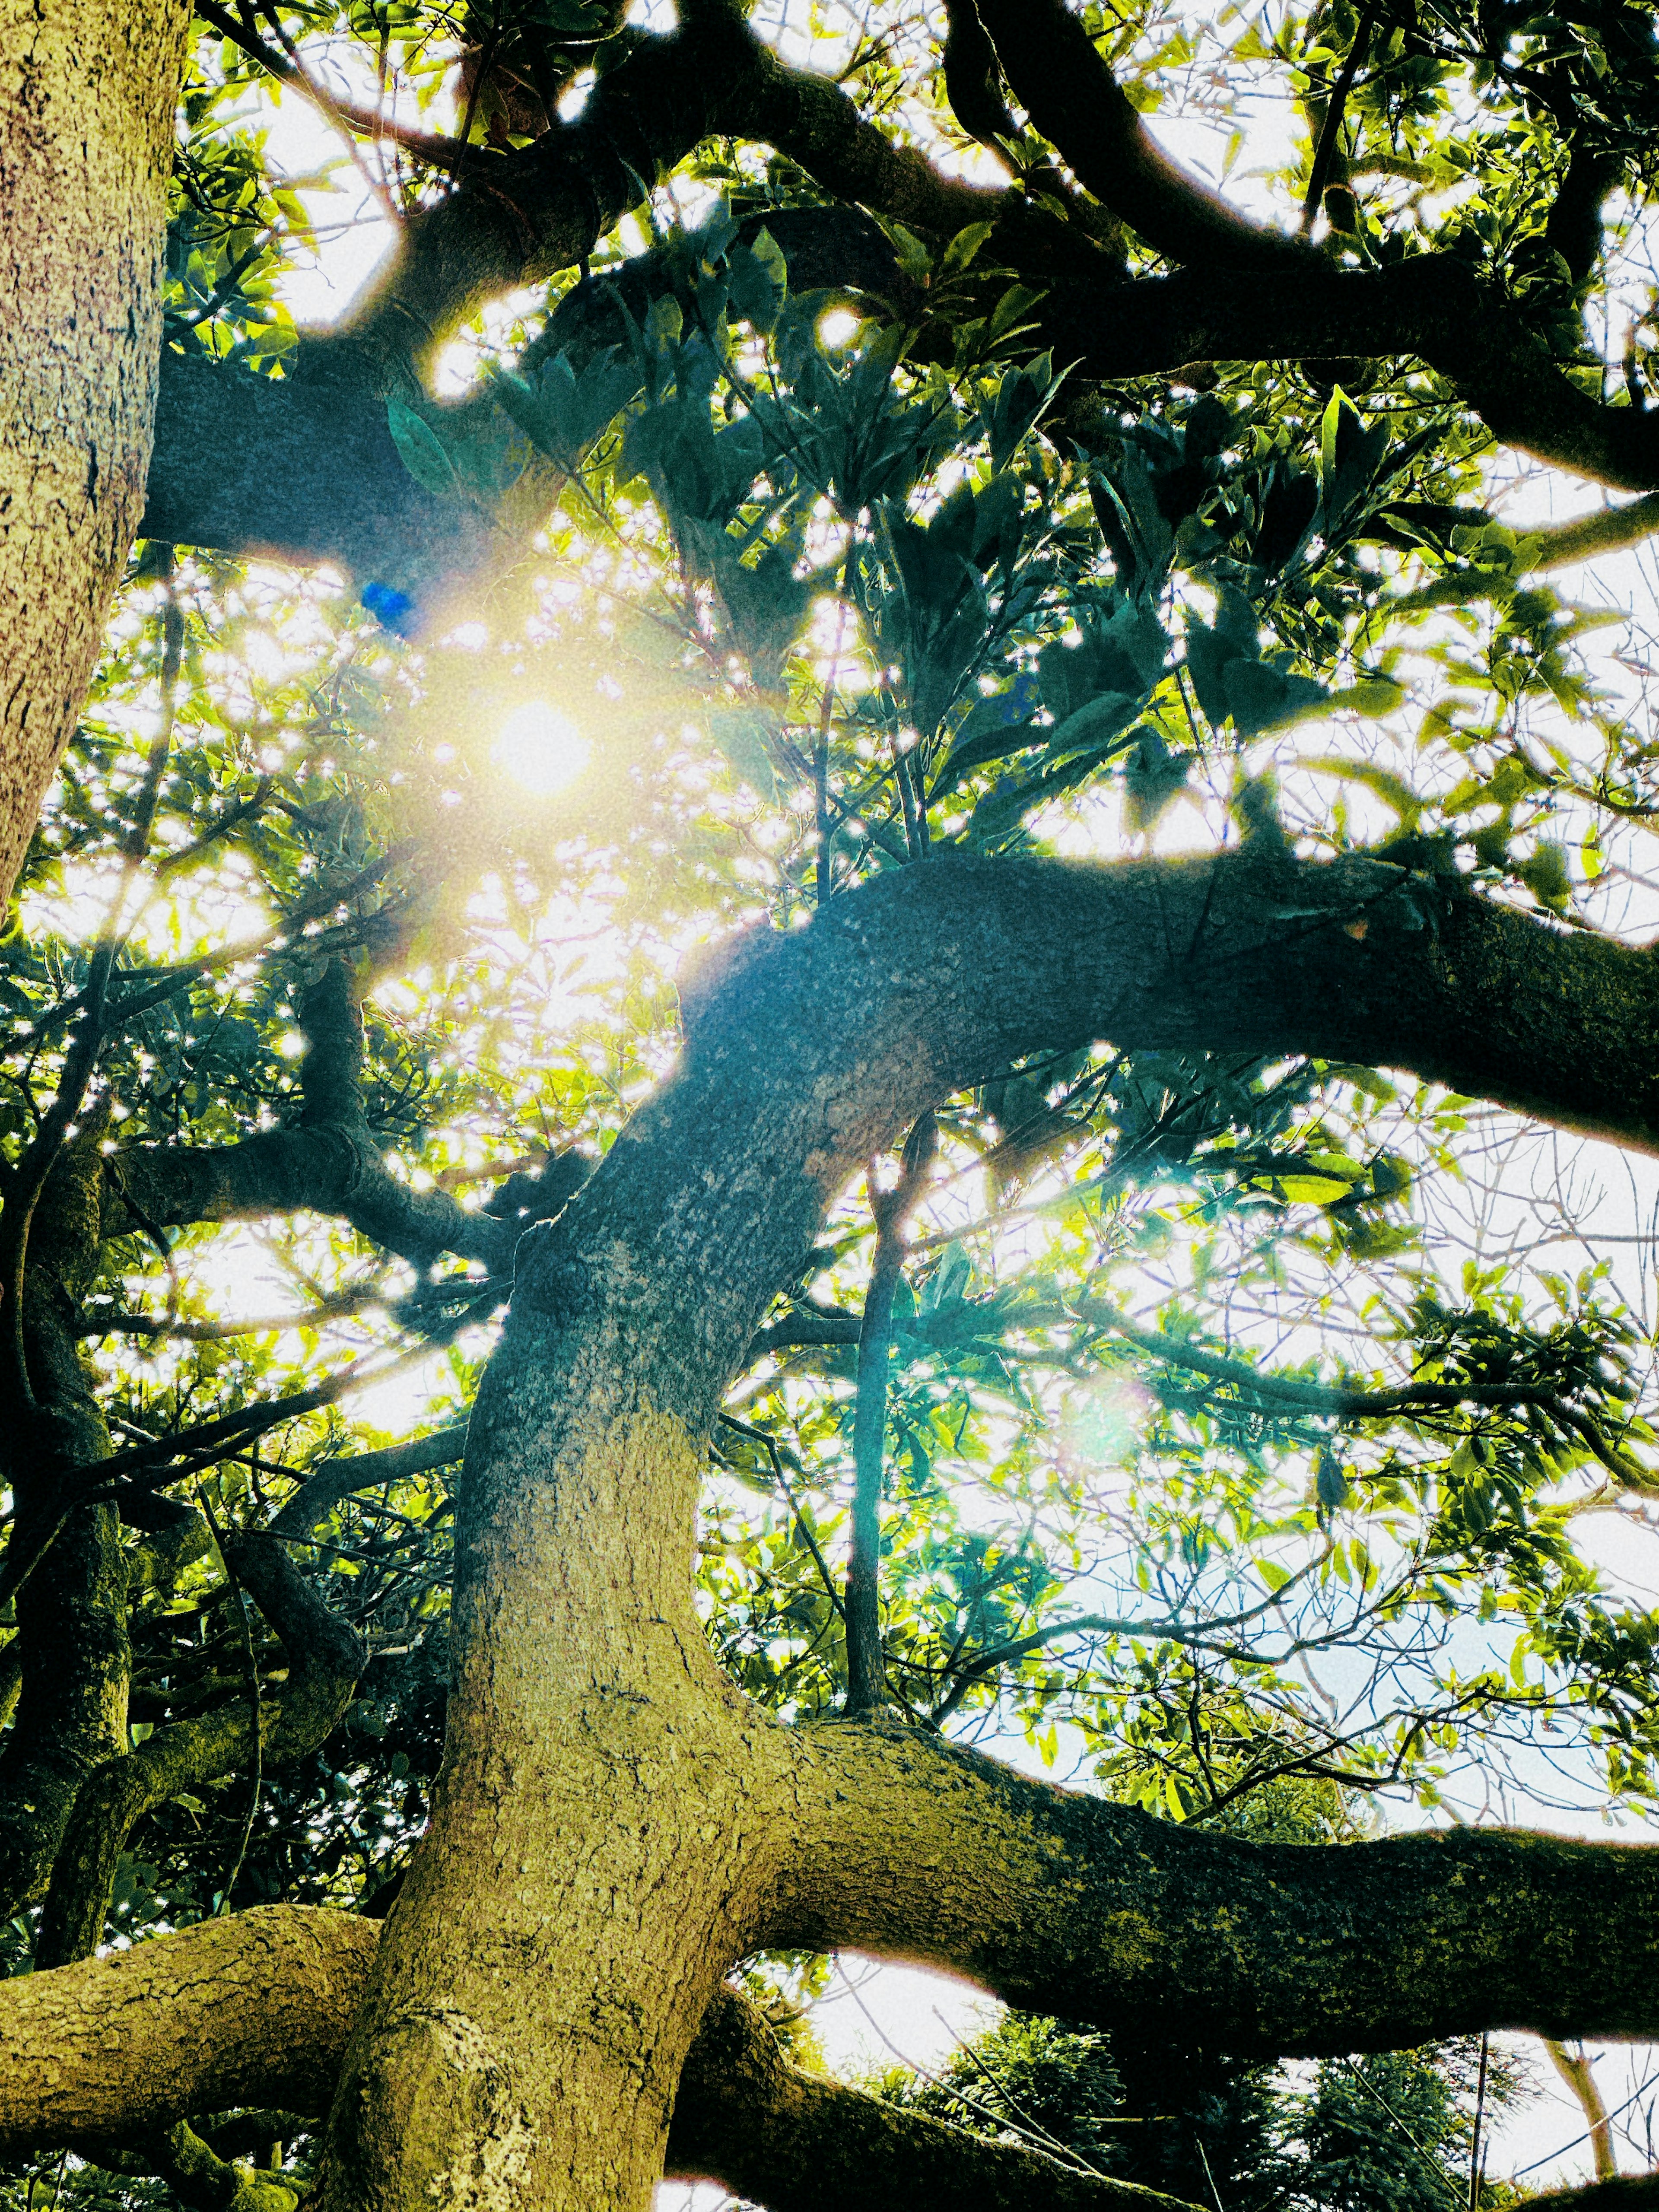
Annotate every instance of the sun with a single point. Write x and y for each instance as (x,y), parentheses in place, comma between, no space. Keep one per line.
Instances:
(542,749)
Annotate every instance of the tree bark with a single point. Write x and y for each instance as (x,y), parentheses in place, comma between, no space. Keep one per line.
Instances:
(324,1660)
(260,2004)
(1062,1902)
(252,2010)
(258,2007)
(87,91)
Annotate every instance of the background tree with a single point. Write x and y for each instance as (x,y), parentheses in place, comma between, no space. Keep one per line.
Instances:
(1013,1292)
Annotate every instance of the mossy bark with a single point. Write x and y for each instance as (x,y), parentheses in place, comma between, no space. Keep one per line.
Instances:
(615,1825)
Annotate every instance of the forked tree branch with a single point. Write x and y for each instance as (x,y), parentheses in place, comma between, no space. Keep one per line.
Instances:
(324,1660)
(256,2009)
(253,466)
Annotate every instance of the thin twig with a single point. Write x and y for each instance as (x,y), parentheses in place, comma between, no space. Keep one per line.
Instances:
(236,1581)
(892,1210)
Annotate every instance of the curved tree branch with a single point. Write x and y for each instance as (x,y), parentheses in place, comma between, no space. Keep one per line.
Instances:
(329,1164)
(1059,77)
(540,209)
(797,2141)
(258,2007)
(1432,307)
(1066,1904)
(254,2009)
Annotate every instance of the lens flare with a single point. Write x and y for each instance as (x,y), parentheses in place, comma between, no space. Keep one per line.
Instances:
(542,749)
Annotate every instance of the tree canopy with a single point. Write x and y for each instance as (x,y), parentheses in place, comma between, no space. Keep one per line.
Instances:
(807,971)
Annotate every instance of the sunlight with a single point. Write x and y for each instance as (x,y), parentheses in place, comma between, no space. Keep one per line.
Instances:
(542,749)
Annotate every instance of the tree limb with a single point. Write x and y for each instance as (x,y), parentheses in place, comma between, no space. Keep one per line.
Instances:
(440,153)
(258,2006)
(1578,2072)
(1433,306)
(252,2008)
(911,1846)
(797,2141)
(1337,1403)
(332,1479)
(1058,75)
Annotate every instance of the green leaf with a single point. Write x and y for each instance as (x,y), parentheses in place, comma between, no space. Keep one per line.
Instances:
(1151,778)
(1547,876)
(1093,722)
(963,248)
(758,280)
(421,451)
(741,733)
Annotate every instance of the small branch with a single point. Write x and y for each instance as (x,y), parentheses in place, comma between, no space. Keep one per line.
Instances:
(865,1672)
(332,1479)
(104,1480)
(1325,153)
(769,1444)
(1167,1631)
(1057,74)
(438,152)
(1577,2071)
(110,1322)
(1287,1394)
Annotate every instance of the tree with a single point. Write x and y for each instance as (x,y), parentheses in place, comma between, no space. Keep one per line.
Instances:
(950,516)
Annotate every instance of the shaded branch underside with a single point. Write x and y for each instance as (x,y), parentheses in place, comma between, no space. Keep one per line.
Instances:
(256,467)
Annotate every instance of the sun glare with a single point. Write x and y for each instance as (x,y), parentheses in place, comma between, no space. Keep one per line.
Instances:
(542,749)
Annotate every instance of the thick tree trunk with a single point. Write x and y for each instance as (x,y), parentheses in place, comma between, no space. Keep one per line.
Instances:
(87,91)
(590,1872)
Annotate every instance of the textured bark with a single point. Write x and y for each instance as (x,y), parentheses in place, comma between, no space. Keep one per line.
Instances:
(96,2054)
(604,1835)
(796,2143)
(1067,1904)
(254,2010)
(87,90)
(259,2006)
(71,1648)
